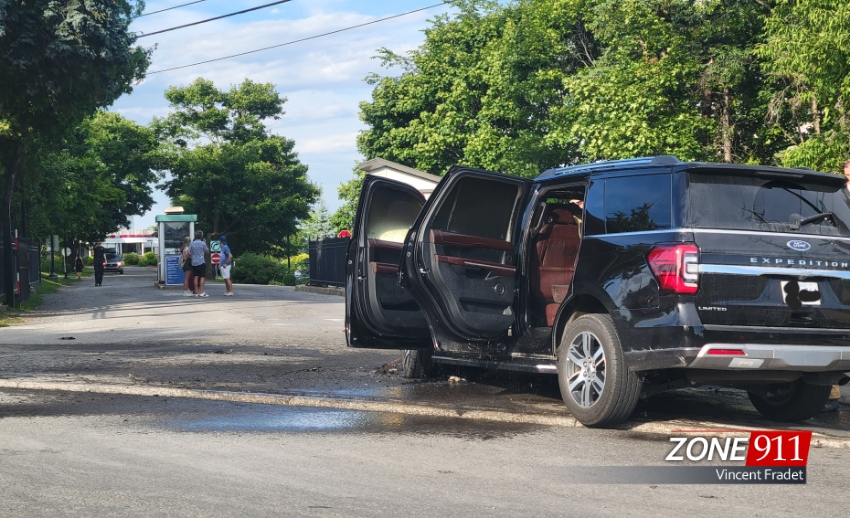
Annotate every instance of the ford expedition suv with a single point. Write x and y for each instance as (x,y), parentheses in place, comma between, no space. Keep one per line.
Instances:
(625,278)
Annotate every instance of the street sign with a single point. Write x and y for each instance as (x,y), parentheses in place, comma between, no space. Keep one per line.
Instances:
(215,246)
(215,258)
(66,251)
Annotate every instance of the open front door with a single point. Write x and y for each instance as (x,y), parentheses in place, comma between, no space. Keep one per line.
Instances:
(462,264)
(379,313)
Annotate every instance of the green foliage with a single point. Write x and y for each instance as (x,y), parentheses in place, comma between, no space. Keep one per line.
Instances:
(525,85)
(317,225)
(88,260)
(805,49)
(131,259)
(150,259)
(96,179)
(252,268)
(478,92)
(59,62)
(349,192)
(45,263)
(240,179)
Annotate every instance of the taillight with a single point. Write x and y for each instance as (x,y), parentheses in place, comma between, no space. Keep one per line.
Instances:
(676,266)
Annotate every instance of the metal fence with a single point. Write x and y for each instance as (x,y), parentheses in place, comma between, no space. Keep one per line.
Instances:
(327,261)
(27,265)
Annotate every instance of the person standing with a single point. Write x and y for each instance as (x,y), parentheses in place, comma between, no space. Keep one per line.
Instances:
(99,263)
(197,253)
(226,262)
(186,266)
(79,266)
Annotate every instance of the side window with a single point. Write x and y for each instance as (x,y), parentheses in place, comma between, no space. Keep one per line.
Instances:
(391,213)
(638,203)
(479,207)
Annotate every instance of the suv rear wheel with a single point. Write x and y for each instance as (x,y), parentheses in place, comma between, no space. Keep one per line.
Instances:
(793,401)
(597,387)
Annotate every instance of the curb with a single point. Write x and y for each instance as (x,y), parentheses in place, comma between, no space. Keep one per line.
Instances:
(295,400)
(819,440)
(328,290)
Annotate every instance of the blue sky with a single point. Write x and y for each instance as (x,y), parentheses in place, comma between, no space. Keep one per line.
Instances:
(321,78)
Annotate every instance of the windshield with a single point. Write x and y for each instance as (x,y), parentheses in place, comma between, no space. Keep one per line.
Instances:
(732,201)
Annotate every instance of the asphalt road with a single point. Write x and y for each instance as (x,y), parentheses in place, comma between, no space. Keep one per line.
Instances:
(128,400)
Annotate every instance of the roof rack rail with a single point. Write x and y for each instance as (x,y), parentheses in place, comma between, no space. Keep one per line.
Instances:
(665,160)
(607,164)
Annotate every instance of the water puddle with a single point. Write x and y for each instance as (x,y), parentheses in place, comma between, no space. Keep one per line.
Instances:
(267,419)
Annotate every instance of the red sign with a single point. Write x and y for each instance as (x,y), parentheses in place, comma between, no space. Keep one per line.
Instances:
(775,448)
(215,258)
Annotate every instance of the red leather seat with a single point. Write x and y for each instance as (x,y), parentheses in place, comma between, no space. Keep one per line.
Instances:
(555,253)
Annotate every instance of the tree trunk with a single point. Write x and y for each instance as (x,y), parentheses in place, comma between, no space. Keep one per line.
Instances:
(8,272)
(726,129)
(815,117)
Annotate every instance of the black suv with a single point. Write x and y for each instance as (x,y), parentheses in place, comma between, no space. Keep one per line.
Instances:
(626,278)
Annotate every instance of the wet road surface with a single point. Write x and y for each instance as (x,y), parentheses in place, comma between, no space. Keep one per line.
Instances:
(71,453)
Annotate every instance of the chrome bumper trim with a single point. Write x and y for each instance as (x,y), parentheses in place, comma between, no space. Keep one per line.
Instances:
(788,357)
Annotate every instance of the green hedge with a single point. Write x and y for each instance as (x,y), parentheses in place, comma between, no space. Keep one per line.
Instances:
(149,258)
(45,263)
(260,269)
(131,259)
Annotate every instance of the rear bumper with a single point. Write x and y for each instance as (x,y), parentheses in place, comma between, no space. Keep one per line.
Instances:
(786,357)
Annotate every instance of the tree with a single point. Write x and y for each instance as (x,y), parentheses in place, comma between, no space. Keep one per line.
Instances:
(229,170)
(349,192)
(479,91)
(59,61)
(102,174)
(317,225)
(805,50)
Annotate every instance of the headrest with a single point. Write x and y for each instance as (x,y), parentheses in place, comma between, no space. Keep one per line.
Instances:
(557,213)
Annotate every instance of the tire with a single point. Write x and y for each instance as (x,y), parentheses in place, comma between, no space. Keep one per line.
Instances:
(416,363)
(596,385)
(793,401)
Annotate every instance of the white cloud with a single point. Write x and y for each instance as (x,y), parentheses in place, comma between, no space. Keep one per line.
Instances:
(345,142)
(322,78)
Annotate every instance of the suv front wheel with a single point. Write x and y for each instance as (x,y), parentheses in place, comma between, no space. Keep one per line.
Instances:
(597,387)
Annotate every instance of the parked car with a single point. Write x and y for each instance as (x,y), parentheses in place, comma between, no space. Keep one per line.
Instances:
(625,278)
(114,263)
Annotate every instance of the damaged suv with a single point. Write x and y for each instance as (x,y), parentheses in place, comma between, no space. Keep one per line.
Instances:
(625,278)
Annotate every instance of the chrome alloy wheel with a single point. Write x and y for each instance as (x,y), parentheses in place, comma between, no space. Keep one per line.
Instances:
(586,369)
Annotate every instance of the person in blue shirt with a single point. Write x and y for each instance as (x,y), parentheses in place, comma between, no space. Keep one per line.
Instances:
(226,263)
(197,253)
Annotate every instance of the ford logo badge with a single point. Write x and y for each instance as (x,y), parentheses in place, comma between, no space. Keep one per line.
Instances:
(798,245)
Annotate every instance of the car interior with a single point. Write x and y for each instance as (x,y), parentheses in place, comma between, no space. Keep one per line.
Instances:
(390,216)
(555,238)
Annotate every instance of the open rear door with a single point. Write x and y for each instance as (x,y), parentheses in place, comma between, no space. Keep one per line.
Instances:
(461,261)
(379,313)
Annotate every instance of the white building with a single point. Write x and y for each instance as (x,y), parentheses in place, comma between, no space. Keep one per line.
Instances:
(139,240)
(421,181)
